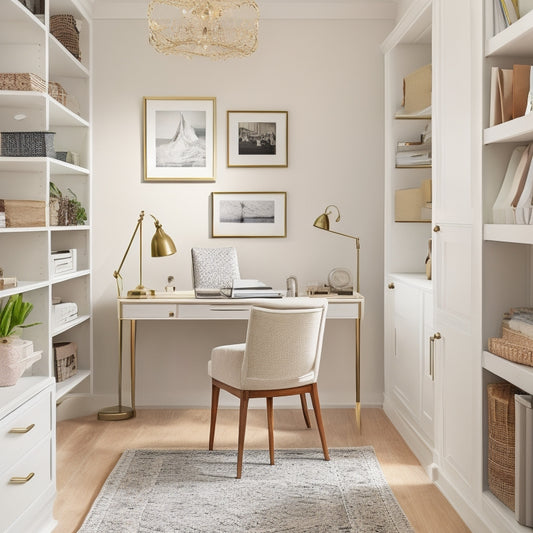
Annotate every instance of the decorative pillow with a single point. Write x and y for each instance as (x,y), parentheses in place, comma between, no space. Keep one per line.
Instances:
(214,268)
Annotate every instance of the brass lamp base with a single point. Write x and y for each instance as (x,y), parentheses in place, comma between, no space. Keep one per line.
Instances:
(141,293)
(117,412)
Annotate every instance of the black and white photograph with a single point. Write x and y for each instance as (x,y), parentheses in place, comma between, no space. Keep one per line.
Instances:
(179,139)
(257,138)
(251,214)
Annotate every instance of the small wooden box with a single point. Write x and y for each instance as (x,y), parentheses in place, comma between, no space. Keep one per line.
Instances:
(66,360)
(22,213)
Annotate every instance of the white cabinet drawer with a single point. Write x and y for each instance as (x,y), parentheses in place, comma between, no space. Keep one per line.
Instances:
(16,497)
(24,428)
(147,311)
(338,310)
(215,311)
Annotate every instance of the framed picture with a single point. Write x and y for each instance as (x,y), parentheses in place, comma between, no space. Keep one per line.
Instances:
(179,139)
(257,138)
(249,214)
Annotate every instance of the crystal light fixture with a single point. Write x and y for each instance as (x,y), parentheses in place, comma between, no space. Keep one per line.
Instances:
(218,29)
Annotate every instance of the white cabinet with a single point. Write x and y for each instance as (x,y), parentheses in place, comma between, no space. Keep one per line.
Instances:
(27,467)
(27,46)
(409,397)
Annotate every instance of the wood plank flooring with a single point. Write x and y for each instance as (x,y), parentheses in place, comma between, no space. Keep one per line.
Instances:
(87,450)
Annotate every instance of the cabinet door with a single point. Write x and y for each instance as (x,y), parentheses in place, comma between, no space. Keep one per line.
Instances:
(456,354)
(405,375)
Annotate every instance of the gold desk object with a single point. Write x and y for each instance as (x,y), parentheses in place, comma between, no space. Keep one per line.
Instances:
(182,305)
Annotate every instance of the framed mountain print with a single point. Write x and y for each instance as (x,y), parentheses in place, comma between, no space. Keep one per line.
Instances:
(179,139)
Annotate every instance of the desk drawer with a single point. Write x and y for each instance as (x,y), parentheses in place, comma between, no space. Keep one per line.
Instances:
(214,311)
(21,430)
(343,310)
(144,311)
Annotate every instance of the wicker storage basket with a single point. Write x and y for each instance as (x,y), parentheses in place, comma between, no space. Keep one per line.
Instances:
(501,445)
(66,360)
(64,29)
(25,81)
(27,144)
(514,346)
(59,211)
(57,91)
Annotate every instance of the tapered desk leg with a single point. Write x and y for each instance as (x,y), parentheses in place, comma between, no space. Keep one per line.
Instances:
(358,368)
(119,412)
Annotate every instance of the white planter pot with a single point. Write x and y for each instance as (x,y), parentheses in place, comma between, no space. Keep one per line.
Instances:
(16,355)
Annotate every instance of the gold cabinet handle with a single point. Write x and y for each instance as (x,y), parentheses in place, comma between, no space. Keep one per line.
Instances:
(436,229)
(21,480)
(432,340)
(391,285)
(171,314)
(22,430)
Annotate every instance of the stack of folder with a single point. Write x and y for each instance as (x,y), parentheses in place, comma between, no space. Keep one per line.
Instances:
(511,93)
(513,204)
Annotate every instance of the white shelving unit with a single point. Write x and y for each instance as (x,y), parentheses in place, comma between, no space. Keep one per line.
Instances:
(27,46)
(507,250)
(409,388)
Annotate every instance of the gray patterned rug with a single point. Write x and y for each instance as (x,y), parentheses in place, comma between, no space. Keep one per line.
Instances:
(196,491)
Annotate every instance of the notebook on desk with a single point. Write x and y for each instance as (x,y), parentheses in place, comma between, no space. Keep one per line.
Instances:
(251,288)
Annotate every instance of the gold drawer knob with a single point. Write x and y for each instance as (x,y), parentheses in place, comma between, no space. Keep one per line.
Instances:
(171,314)
(22,430)
(21,480)
(436,229)
(391,285)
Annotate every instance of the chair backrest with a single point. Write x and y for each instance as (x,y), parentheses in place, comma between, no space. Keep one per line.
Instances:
(214,268)
(284,343)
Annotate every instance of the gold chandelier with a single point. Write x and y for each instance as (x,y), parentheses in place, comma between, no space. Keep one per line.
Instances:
(211,28)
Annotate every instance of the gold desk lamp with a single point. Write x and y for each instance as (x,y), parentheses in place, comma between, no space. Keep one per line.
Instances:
(162,246)
(322,222)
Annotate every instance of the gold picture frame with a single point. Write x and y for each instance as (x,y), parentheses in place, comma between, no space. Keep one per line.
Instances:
(249,214)
(257,138)
(179,138)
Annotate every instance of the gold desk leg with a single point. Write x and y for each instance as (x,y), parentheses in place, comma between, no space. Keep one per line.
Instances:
(118,412)
(358,368)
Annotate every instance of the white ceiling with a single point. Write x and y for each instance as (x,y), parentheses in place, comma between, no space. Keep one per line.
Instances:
(269,9)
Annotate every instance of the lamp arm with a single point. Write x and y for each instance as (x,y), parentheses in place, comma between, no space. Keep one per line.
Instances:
(116,273)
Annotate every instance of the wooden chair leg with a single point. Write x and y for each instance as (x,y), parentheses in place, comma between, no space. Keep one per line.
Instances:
(215,391)
(304,410)
(318,415)
(270,418)
(243,411)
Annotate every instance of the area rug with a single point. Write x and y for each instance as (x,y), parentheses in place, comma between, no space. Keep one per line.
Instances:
(196,491)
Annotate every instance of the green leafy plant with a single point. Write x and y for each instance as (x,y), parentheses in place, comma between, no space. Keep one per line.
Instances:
(13,315)
(54,191)
(79,211)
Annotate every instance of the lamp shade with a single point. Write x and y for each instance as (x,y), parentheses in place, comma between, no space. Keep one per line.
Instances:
(162,244)
(322,222)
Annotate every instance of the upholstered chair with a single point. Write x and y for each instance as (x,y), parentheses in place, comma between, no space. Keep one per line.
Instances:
(281,357)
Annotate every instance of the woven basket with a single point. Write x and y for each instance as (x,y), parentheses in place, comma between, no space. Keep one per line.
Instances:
(501,452)
(59,211)
(27,144)
(510,351)
(64,29)
(66,359)
(24,81)
(56,91)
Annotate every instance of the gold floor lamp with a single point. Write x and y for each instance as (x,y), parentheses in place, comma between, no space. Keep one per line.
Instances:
(322,222)
(162,246)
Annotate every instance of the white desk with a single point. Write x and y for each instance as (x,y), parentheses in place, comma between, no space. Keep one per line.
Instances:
(184,306)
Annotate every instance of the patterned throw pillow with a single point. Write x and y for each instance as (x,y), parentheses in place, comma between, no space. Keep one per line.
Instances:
(214,268)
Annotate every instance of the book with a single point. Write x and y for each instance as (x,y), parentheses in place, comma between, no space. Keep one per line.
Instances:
(509,10)
(252,288)
(521,77)
(505,93)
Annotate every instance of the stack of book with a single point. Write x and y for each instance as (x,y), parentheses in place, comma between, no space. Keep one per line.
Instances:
(508,11)
(415,153)
(513,204)
(511,93)
(251,288)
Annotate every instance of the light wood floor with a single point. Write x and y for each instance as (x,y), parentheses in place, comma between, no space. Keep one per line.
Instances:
(87,450)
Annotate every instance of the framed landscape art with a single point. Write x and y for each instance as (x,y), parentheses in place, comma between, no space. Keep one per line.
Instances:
(179,139)
(249,214)
(257,138)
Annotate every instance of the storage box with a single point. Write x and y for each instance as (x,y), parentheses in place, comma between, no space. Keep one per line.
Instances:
(417,90)
(25,81)
(501,441)
(22,213)
(27,144)
(65,30)
(62,262)
(63,312)
(66,360)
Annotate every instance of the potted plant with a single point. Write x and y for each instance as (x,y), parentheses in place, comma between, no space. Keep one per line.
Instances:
(16,355)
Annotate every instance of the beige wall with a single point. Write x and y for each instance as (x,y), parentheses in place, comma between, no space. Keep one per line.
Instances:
(328,75)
